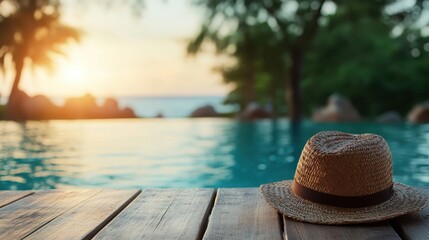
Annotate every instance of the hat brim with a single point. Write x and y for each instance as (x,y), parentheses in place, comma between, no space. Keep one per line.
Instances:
(279,195)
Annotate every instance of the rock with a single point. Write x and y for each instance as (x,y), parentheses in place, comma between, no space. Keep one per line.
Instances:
(204,111)
(338,109)
(39,107)
(86,107)
(81,108)
(389,117)
(126,113)
(110,108)
(110,104)
(159,115)
(254,111)
(419,113)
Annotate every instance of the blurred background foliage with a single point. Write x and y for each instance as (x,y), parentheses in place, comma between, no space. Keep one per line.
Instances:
(376,53)
(31,33)
(288,55)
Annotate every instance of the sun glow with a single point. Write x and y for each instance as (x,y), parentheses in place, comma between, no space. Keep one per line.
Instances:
(71,73)
(127,59)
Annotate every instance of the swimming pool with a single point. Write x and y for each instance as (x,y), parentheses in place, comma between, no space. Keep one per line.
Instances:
(143,153)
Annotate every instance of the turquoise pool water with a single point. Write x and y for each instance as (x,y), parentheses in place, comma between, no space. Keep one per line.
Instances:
(179,152)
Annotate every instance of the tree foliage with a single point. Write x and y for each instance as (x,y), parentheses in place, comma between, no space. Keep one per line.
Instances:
(374,52)
(31,31)
(361,55)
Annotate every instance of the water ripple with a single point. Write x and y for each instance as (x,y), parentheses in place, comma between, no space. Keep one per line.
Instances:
(180,152)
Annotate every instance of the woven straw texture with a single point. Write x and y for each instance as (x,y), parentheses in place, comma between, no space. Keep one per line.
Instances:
(349,165)
(336,163)
(405,200)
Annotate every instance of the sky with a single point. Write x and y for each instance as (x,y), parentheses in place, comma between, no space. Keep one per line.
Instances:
(122,54)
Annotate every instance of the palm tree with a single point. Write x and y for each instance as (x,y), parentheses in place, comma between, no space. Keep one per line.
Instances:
(32,34)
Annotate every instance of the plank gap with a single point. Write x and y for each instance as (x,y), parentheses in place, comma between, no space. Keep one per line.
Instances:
(112,216)
(161,214)
(17,199)
(206,218)
(37,228)
(398,229)
(90,215)
(242,213)
(281,224)
(44,224)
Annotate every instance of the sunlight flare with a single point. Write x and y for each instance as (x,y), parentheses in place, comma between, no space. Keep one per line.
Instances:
(71,73)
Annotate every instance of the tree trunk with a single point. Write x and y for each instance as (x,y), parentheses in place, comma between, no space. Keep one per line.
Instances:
(274,110)
(248,61)
(250,86)
(293,91)
(273,98)
(14,105)
(250,95)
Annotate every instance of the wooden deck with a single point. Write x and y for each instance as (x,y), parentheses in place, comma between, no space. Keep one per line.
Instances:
(174,214)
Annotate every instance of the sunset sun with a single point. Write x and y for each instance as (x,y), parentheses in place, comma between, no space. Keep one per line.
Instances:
(71,73)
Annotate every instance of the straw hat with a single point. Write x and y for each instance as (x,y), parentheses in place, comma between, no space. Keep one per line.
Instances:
(343,178)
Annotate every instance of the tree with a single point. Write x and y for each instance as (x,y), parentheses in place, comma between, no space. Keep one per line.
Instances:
(254,72)
(237,44)
(364,57)
(298,30)
(351,47)
(31,34)
(295,29)
(267,69)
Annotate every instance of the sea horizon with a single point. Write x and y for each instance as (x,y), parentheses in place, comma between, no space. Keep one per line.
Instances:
(169,106)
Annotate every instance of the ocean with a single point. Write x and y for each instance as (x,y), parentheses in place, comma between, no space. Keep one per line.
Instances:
(168,106)
(172,107)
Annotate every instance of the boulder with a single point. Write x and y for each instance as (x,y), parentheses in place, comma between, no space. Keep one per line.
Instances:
(419,113)
(111,104)
(389,117)
(338,109)
(39,107)
(159,115)
(254,111)
(126,113)
(110,108)
(81,107)
(204,111)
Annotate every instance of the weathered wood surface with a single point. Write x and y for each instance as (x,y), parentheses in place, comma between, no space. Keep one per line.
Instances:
(241,213)
(295,230)
(21,218)
(175,214)
(86,219)
(162,214)
(7,197)
(416,225)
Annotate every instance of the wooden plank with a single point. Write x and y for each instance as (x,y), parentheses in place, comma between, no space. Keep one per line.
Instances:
(8,197)
(162,214)
(86,219)
(416,225)
(241,213)
(294,230)
(21,218)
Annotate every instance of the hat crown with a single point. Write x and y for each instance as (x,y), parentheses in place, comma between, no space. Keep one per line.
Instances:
(345,164)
